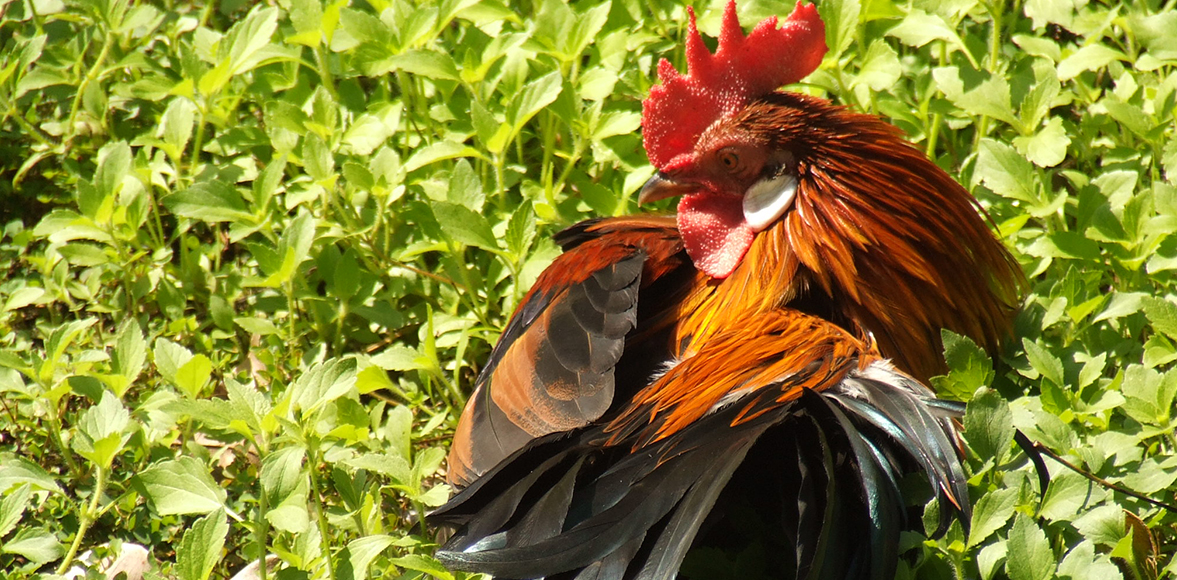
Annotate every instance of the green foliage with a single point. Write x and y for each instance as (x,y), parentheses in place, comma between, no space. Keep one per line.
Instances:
(254,257)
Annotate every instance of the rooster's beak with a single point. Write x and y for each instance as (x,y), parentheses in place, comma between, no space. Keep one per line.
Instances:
(662,186)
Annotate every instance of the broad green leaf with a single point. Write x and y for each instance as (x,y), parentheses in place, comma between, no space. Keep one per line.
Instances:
(988,426)
(1029,555)
(23,297)
(364,550)
(1081,563)
(346,278)
(392,466)
(1090,57)
(1043,361)
(439,151)
(209,201)
(282,473)
(1103,525)
(293,248)
(534,97)
(465,187)
(991,513)
(175,127)
(1047,147)
(919,28)
(317,158)
(200,547)
(38,545)
(425,564)
(841,21)
(130,352)
(462,225)
(1162,314)
(13,507)
(19,470)
(1067,495)
(990,557)
(182,486)
(104,432)
(193,375)
(969,366)
(323,383)
(426,63)
(1006,172)
(258,326)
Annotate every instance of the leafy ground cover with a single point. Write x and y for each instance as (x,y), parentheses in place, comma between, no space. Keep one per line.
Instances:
(253,256)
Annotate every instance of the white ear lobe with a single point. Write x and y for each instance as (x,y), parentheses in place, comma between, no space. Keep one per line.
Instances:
(768,199)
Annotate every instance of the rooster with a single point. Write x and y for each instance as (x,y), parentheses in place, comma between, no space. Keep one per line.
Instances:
(762,355)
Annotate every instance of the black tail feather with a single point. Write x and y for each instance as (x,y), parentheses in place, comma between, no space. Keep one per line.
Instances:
(824,468)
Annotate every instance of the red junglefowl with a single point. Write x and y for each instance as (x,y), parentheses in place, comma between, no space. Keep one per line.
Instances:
(747,377)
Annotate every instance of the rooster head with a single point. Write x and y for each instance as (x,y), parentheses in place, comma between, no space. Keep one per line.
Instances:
(734,182)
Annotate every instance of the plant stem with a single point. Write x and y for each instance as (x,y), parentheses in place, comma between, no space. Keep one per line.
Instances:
(85,520)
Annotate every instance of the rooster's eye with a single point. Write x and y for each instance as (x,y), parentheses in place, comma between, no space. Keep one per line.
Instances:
(730,160)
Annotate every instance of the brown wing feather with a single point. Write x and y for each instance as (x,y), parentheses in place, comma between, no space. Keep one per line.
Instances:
(554,367)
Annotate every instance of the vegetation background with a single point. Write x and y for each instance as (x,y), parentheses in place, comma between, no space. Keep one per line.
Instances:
(253,256)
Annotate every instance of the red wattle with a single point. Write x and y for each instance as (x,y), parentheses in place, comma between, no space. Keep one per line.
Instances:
(714,232)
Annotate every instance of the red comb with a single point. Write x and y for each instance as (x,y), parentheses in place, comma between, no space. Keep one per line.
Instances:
(741,70)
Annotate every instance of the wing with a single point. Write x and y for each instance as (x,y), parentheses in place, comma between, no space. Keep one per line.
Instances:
(554,367)
(785,415)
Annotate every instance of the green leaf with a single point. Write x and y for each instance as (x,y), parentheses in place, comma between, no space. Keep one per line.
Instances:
(1043,361)
(988,426)
(1081,563)
(426,63)
(392,466)
(175,126)
(1162,314)
(322,383)
(1103,525)
(465,187)
(200,547)
(464,226)
(1029,556)
(103,429)
(424,564)
(364,550)
(520,229)
(841,20)
(990,514)
(919,28)
(1006,172)
(209,201)
(13,506)
(282,473)
(1067,494)
(969,366)
(182,486)
(38,545)
(23,297)
(130,352)
(258,326)
(19,470)
(439,151)
(1047,147)
(293,248)
(1090,57)
(534,97)
(317,158)
(346,278)
(193,375)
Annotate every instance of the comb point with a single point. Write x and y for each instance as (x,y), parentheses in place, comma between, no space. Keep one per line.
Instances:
(742,69)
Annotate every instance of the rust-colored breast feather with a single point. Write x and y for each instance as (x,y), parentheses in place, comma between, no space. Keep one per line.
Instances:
(765,361)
